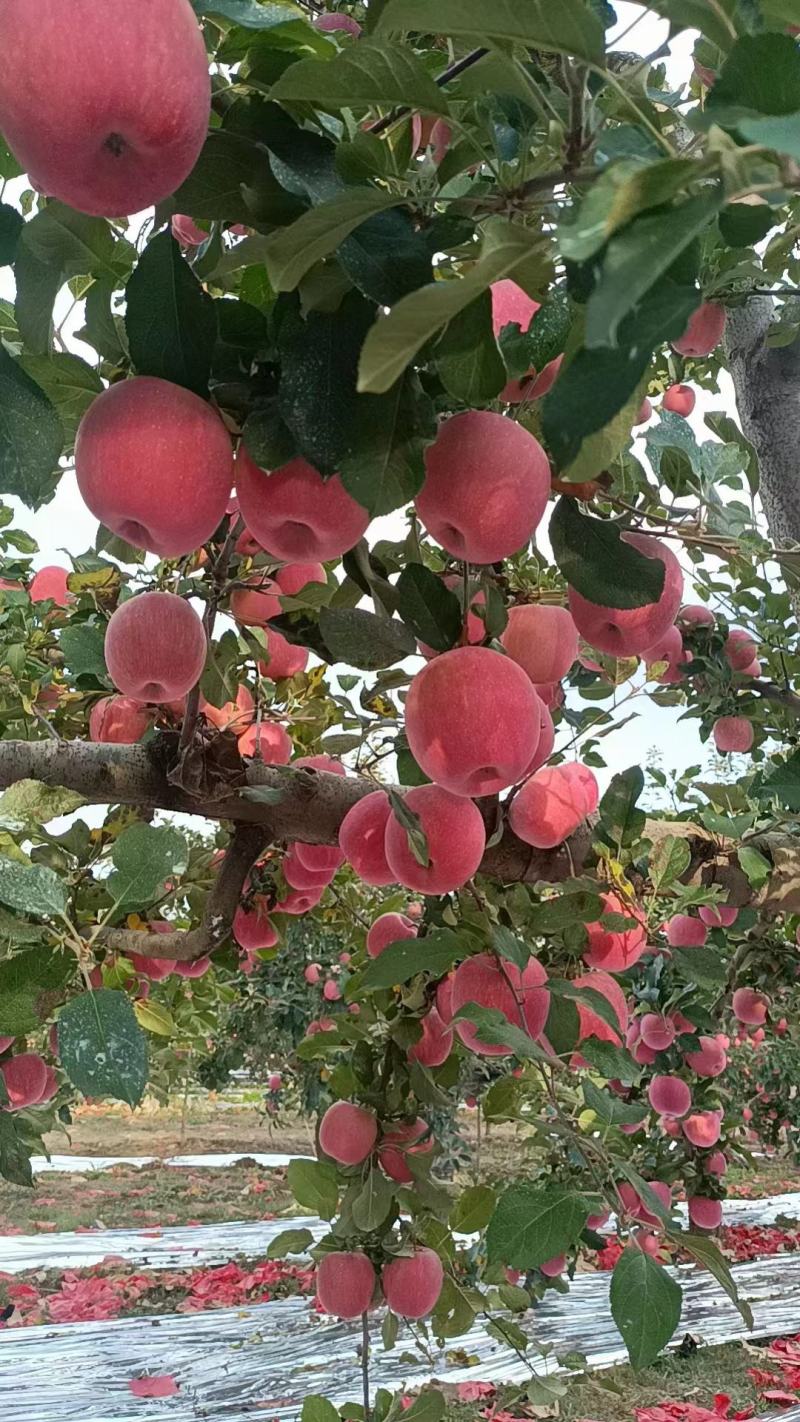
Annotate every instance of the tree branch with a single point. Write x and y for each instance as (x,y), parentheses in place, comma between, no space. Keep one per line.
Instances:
(767,381)
(246,844)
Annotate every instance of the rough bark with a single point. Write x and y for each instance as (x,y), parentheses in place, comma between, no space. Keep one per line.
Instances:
(767,385)
(247,842)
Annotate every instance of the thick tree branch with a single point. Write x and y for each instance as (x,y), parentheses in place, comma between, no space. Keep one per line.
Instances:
(246,844)
(767,384)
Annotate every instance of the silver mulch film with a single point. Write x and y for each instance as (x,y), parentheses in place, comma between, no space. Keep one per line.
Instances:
(184,1246)
(236,1364)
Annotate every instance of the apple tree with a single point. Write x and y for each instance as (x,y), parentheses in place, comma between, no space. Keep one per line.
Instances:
(378,330)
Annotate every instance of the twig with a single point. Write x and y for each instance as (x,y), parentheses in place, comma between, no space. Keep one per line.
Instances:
(218,576)
(246,844)
(452,72)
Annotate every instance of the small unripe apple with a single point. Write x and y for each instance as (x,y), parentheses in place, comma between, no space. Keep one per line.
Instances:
(398,1142)
(456,839)
(154,463)
(705,1213)
(295,513)
(118,720)
(626,632)
(519,994)
(389,928)
(362,837)
(733,733)
(669,1096)
(472,721)
(609,949)
(475,514)
(680,399)
(411,1286)
(543,640)
(50,585)
(187,232)
(345,1283)
(683,931)
(155,647)
(703,1128)
(704,332)
(105,104)
(347,1133)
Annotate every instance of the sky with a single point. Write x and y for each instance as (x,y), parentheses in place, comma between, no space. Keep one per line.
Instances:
(65,524)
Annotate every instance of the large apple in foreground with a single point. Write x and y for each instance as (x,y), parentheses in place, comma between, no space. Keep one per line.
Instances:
(105,103)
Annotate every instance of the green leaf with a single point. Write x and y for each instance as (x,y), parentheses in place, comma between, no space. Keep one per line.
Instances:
(708,1255)
(510,947)
(645,1305)
(75,244)
(609,1108)
(290,1241)
(362,76)
(292,251)
(251,14)
(102,1048)
(473,1209)
(31,436)
(638,257)
(154,1017)
(782,783)
(29,802)
(232,181)
(319,362)
(588,997)
(562,1028)
(428,607)
(428,1406)
(69,383)
(594,560)
(395,339)
(26,981)
(670,859)
(318,1409)
(596,384)
(531,1225)
(468,360)
(741,225)
(384,467)
(15,1164)
(566,28)
(11,225)
(757,92)
(708,16)
(364,640)
(313,1184)
(553,915)
(144,857)
(32,889)
(83,649)
(415,834)
(614,1063)
(371,1206)
(618,813)
(170,322)
(495,1030)
(754,865)
(434,954)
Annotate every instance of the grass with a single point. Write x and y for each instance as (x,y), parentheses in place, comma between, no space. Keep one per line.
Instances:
(125,1197)
(614,1395)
